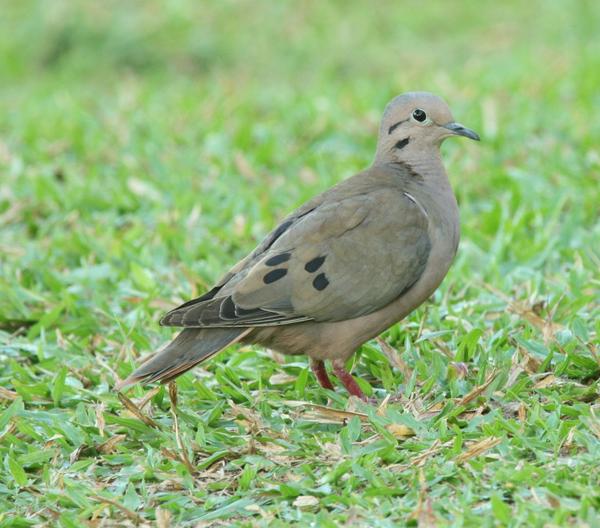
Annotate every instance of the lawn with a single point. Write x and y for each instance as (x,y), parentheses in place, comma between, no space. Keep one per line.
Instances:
(146,146)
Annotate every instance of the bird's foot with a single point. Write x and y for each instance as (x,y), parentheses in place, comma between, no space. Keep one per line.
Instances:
(347,380)
(318,367)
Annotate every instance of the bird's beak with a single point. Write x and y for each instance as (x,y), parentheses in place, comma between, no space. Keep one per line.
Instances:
(459,130)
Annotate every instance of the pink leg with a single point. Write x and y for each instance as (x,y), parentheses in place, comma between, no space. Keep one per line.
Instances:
(318,367)
(347,379)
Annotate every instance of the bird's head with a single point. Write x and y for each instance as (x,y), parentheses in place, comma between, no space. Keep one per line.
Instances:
(415,124)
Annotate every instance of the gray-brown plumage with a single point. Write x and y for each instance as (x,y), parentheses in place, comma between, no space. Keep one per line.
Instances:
(344,266)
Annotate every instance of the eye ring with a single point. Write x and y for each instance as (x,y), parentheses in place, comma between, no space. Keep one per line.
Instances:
(419,115)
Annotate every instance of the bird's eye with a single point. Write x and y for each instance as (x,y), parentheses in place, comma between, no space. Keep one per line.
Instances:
(419,115)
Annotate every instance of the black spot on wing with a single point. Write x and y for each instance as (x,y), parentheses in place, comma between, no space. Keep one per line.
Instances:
(320,282)
(313,265)
(228,309)
(274,275)
(282,228)
(278,259)
(231,311)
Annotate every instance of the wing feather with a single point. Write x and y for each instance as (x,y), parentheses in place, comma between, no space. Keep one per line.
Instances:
(329,262)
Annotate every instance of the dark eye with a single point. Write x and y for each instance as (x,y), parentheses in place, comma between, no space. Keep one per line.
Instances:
(419,115)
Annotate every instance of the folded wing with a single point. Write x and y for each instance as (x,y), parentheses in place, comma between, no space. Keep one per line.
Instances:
(333,261)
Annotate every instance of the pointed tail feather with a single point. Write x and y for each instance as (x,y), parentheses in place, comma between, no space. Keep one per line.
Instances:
(190,347)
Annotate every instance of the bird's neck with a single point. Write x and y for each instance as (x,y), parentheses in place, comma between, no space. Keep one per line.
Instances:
(427,168)
(428,182)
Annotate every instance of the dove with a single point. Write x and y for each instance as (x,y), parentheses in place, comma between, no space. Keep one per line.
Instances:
(341,268)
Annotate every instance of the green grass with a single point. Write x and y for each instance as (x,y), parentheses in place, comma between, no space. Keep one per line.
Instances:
(145,147)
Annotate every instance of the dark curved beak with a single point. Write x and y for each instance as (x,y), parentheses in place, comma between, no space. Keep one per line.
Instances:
(459,130)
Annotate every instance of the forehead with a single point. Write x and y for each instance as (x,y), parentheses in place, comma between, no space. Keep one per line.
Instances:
(401,107)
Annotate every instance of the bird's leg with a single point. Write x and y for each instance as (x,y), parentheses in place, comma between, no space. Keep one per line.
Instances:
(318,367)
(346,378)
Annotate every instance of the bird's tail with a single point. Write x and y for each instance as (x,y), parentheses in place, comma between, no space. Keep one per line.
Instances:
(190,347)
